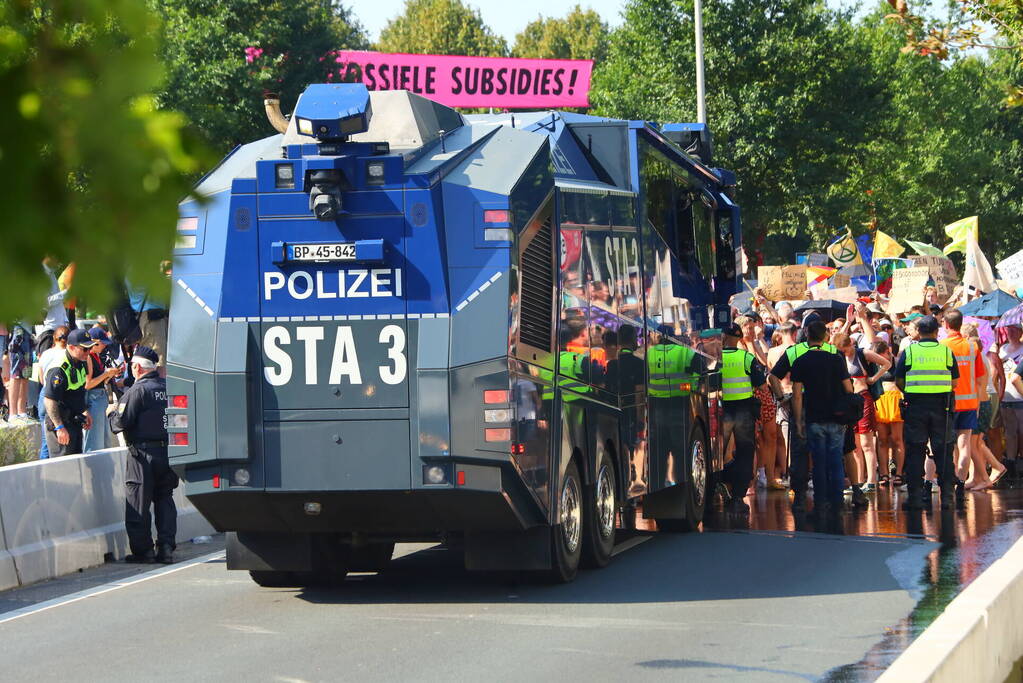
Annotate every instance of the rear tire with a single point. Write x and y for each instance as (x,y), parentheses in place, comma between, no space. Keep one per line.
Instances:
(601,509)
(273,579)
(696,493)
(567,534)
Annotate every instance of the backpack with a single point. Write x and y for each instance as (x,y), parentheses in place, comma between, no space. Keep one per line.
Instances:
(871,369)
(124,321)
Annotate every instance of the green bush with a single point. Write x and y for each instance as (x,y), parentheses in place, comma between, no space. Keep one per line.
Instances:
(16,446)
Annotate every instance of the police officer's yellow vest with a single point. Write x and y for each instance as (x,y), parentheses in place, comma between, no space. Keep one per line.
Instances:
(668,365)
(75,376)
(736,380)
(797,350)
(928,371)
(570,366)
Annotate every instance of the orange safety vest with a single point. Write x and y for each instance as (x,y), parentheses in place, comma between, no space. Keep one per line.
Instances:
(966,355)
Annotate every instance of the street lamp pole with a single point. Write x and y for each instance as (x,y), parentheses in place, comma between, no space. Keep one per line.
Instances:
(701,96)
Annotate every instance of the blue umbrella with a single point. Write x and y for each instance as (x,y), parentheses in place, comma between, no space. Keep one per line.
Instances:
(991,305)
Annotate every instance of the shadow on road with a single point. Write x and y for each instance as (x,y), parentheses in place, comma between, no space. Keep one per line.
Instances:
(666,568)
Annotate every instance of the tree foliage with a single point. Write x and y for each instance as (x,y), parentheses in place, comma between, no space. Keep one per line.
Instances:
(222,55)
(823,120)
(440,27)
(92,169)
(966,27)
(581,34)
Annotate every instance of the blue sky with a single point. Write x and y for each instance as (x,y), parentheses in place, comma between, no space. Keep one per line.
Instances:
(506,18)
(509,18)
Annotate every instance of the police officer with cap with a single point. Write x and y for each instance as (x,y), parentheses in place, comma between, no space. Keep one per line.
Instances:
(67,411)
(148,478)
(741,375)
(926,372)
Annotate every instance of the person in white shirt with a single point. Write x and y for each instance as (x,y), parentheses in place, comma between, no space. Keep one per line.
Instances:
(49,358)
(56,314)
(1011,353)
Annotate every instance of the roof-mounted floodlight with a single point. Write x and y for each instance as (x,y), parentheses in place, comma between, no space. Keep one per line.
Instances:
(333,111)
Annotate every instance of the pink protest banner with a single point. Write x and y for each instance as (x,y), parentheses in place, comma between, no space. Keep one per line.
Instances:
(457,81)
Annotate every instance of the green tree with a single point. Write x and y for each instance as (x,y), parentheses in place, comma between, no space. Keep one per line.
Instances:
(440,27)
(942,146)
(92,170)
(581,34)
(790,97)
(222,56)
(968,25)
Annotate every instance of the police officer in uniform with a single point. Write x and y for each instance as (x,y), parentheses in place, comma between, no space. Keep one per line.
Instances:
(926,372)
(670,367)
(741,375)
(799,453)
(67,411)
(148,479)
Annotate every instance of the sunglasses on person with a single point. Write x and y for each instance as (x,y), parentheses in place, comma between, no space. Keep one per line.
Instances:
(60,338)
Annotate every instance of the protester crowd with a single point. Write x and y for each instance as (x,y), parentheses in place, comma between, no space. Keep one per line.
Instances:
(44,358)
(893,434)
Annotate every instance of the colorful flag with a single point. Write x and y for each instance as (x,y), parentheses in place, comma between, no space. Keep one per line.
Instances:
(958,233)
(884,269)
(978,272)
(885,246)
(924,249)
(815,275)
(866,247)
(843,250)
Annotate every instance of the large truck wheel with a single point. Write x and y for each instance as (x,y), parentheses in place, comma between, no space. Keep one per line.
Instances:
(601,506)
(697,465)
(271,579)
(567,535)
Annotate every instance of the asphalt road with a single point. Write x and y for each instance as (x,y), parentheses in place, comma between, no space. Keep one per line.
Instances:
(725,605)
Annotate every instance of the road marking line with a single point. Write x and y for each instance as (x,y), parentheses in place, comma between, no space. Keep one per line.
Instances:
(106,588)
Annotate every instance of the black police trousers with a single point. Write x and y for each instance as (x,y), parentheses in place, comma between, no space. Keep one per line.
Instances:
(740,422)
(923,424)
(149,482)
(74,444)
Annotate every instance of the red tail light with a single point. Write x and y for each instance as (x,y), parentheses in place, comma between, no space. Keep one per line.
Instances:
(179,401)
(497,434)
(495,396)
(216,481)
(518,449)
(497,216)
(179,439)
(460,478)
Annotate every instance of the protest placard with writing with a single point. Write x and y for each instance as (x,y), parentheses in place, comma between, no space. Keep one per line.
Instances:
(839,281)
(942,271)
(846,295)
(1011,269)
(780,283)
(908,288)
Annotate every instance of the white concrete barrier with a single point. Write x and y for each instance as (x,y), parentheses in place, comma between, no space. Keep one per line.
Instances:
(64,514)
(979,636)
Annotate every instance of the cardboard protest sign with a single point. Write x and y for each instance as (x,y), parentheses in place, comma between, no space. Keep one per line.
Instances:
(839,281)
(908,286)
(462,81)
(780,283)
(847,295)
(1011,269)
(942,271)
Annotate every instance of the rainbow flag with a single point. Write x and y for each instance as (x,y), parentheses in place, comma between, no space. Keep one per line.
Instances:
(815,275)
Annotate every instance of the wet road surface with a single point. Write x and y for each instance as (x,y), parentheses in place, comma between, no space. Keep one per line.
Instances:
(762,597)
(971,538)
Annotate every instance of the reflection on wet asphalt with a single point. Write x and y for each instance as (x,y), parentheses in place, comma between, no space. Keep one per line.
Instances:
(972,538)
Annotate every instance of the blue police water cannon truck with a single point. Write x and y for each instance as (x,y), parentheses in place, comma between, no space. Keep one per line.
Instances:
(394,322)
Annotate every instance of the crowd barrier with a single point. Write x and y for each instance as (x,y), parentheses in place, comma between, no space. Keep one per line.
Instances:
(979,636)
(61,515)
